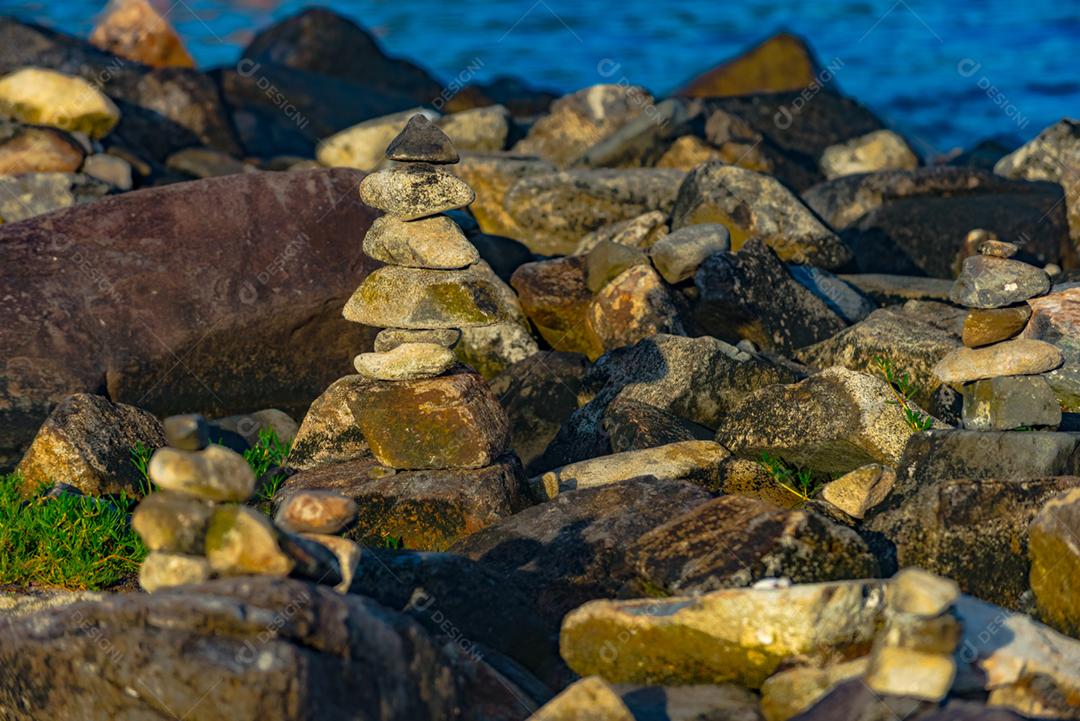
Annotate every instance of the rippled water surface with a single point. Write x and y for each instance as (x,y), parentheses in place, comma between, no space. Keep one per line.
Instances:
(945,74)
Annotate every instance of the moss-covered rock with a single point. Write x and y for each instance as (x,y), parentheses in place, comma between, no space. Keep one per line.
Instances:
(241,541)
(1055,562)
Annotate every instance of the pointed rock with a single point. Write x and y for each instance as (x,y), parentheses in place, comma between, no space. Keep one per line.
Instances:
(422,142)
(414,191)
(435,242)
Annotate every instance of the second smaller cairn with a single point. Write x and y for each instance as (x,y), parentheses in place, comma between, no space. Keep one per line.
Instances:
(1001,377)
(197,525)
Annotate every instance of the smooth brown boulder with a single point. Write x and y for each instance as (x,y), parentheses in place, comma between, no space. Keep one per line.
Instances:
(234,307)
(453,421)
(781,62)
(38,150)
(634,306)
(133,29)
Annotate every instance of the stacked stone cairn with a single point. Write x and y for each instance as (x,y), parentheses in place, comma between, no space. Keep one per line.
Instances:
(197,526)
(421,409)
(1001,377)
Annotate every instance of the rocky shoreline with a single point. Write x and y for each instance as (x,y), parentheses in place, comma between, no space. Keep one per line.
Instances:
(401,401)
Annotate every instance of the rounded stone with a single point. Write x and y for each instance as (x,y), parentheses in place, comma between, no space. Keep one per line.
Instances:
(414,191)
(678,255)
(215,473)
(998,248)
(391,338)
(435,242)
(171,522)
(166,570)
(315,512)
(241,541)
(407,361)
(1016,357)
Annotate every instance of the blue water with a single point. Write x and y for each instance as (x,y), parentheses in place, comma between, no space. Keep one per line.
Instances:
(945,74)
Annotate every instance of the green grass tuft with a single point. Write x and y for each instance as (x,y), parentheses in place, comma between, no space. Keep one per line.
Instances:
(903,389)
(73,542)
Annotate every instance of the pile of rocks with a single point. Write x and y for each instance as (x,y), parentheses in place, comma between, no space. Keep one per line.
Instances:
(422,410)
(999,376)
(196,525)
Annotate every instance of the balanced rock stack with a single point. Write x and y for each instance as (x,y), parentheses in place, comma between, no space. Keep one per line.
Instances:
(196,525)
(422,409)
(999,375)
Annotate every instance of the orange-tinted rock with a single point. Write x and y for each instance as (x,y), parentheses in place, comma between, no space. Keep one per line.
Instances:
(782,62)
(555,297)
(39,150)
(453,421)
(133,29)
(990,325)
(634,306)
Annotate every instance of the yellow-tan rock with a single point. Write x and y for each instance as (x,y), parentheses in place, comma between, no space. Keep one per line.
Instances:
(241,541)
(46,97)
(133,29)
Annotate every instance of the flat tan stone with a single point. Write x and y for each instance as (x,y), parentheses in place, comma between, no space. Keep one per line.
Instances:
(414,191)
(435,242)
(46,97)
(407,361)
(1020,356)
(315,512)
(166,570)
(215,473)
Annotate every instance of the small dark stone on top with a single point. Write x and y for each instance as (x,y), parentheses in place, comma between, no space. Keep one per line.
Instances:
(422,142)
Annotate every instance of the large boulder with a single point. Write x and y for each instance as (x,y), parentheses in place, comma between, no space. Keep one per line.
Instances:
(971,530)
(697,379)
(900,335)
(278,650)
(555,296)
(1055,318)
(1055,562)
(832,422)
(491,175)
(322,42)
(553,211)
(742,635)
(737,541)
(569,550)
(914,222)
(86,442)
(751,295)
(757,206)
(234,307)
(329,433)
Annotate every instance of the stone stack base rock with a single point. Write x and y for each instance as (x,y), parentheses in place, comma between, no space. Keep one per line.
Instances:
(1001,377)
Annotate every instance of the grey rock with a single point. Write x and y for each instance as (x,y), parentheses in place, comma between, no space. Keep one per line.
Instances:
(989,282)
(391,338)
(678,255)
(555,210)
(329,433)
(914,222)
(698,379)
(1005,403)
(639,232)
(757,206)
(188,432)
(434,242)
(478,129)
(834,421)
(1055,156)
(632,425)
(414,191)
(421,141)
(31,194)
(491,349)
(219,642)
